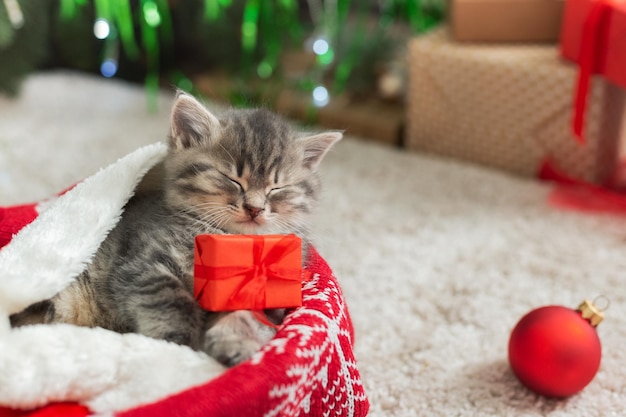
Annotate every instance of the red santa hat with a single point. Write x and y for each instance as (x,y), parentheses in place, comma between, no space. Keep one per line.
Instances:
(307,369)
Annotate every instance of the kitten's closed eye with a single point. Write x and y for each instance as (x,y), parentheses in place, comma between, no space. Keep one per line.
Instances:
(282,194)
(235,183)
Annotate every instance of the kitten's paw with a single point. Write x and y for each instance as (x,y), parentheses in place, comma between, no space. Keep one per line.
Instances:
(235,336)
(230,350)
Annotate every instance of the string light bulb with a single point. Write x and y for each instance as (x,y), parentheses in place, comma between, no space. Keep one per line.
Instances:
(16,17)
(320,46)
(265,70)
(101,29)
(320,95)
(322,49)
(108,68)
(151,14)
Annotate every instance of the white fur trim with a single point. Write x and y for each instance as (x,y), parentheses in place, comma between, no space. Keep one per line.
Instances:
(106,371)
(48,254)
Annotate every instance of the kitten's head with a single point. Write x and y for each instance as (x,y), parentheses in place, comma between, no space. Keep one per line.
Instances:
(246,172)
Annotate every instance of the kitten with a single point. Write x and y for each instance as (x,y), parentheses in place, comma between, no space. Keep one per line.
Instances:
(247,172)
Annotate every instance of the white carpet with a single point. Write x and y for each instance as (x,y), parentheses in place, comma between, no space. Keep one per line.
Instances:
(438,260)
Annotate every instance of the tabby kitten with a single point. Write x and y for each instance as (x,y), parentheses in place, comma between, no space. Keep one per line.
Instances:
(244,173)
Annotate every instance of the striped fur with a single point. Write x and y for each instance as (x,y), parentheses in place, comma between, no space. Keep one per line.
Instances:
(246,172)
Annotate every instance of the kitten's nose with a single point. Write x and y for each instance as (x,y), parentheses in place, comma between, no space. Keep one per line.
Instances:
(253,211)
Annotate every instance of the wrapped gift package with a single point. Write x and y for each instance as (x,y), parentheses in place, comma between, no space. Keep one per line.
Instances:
(248,272)
(508,107)
(594,36)
(607,38)
(506,20)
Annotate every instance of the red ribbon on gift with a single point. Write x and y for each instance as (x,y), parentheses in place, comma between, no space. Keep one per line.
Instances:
(593,46)
(572,194)
(251,292)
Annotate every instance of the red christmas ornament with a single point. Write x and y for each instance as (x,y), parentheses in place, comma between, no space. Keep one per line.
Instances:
(555,351)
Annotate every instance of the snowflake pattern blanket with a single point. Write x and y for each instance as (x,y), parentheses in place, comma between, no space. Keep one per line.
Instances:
(308,369)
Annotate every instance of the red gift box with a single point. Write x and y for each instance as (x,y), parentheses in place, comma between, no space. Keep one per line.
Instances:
(594,35)
(248,272)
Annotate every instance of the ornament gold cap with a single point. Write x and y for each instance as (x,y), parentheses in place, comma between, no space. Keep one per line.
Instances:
(590,312)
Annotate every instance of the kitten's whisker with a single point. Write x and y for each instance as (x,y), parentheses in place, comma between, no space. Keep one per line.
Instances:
(199,210)
(209,204)
(290,225)
(228,153)
(213,219)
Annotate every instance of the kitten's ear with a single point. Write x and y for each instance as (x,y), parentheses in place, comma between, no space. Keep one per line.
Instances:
(316,146)
(191,124)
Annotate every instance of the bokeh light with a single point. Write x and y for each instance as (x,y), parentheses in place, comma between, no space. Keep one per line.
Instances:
(108,68)
(101,29)
(320,96)
(265,70)
(320,46)
(151,14)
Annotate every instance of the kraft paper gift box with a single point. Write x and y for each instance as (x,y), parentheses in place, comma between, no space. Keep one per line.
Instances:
(507,107)
(248,272)
(506,20)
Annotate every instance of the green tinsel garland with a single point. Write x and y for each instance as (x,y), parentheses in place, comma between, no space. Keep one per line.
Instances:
(247,36)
